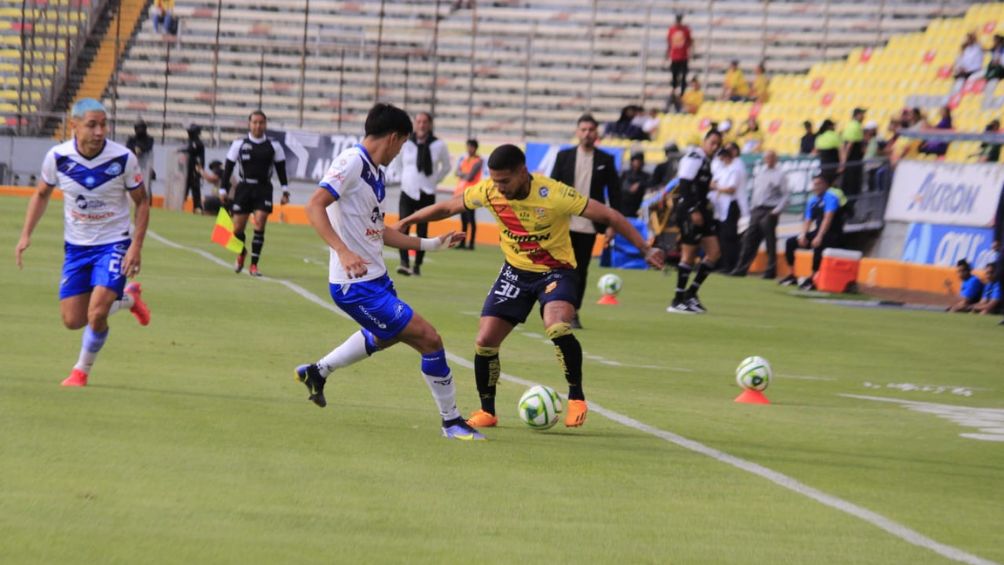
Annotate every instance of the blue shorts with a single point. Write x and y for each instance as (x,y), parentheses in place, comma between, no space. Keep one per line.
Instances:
(375,305)
(88,266)
(516,291)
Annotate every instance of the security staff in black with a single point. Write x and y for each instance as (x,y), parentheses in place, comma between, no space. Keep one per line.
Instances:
(254,156)
(698,227)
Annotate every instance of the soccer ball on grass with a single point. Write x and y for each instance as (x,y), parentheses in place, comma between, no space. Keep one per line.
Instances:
(609,284)
(754,373)
(539,407)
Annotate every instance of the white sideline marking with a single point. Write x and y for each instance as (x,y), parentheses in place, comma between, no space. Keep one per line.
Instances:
(988,421)
(896,529)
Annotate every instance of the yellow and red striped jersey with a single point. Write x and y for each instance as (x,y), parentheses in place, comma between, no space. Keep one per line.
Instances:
(533,231)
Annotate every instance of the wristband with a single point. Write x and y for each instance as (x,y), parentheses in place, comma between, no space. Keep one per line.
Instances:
(430,244)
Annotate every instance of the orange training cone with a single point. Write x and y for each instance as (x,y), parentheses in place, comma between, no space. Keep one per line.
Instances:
(750,396)
(608,299)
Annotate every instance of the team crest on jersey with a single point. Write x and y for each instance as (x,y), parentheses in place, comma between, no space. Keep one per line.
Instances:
(114,170)
(541,213)
(543,192)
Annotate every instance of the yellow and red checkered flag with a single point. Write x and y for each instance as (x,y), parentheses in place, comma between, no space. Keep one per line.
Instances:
(223,232)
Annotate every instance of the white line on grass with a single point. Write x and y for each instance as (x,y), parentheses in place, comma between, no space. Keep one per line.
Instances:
(896,529)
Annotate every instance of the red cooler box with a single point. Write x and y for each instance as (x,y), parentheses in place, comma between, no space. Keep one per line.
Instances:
(838,270)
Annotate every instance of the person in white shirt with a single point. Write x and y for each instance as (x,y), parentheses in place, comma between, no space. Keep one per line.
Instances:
(770,196)
(347,212)
(98,179)
(424,162)
(728,179)
(970,60)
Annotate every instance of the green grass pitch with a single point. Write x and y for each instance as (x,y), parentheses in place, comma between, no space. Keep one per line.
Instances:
(193,443)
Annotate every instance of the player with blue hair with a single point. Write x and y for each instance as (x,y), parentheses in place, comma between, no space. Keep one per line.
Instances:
(98,178)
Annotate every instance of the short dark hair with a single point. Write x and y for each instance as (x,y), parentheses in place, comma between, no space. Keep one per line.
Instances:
(587,117)
(964,264)
(473,142)
(713,131)
(506,157)
(257,113)
(385,119)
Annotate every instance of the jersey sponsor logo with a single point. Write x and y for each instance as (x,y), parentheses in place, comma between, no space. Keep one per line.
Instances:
(374,234)
(528,238)
(543,192)
(85,203)
(375,214)
(541,213)
(138,178)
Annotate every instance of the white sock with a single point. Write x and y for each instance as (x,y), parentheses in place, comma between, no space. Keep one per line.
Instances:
(126,302)
(91,344)
(445,395)
(350,351)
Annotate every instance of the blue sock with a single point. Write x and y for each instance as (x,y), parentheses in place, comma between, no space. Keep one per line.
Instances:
(437,375)
(434,364)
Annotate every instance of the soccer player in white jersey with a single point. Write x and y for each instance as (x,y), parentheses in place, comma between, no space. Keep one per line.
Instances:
(347,212)
(98,178)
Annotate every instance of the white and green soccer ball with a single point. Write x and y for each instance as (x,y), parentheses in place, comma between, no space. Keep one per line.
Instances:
(539,407)
(754,373)
(610,284)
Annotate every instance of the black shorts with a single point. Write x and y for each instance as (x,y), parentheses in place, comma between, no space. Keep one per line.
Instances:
(515,292)
(691,233)
(252,197)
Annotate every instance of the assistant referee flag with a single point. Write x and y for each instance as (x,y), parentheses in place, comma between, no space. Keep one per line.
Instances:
(223,232)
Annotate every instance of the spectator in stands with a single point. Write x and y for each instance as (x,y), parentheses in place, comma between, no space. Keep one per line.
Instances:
(735,87)
(760,85)
(995,67)
(679,44)
(827,148)
(424,162)
(692,100)
(990,299)
(634,183)
(808,142)
(872,142)
(624,127)
(970,59)
(822,228)
(728,177)
(990,152)
(970,291)
(750,136)
(469,169)
(666,170)
(594,175)
(650,124)
(939,148)
(852,151)
(141,144)
(163,17)
(195,150)
(770,196)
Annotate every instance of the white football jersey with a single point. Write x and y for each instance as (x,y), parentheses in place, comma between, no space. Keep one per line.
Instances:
(357,213)
(95,191)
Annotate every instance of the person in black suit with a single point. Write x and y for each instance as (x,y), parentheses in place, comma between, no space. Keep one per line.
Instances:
(594,174)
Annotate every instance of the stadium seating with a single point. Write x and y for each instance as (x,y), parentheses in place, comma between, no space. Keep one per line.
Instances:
(529,70)
(910,70)
(33,53)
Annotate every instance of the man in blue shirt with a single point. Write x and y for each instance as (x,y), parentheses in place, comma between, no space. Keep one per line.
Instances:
(823,226)
(971,289)
(990,300)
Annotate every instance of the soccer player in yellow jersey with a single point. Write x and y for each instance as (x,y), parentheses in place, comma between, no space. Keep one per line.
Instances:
(533,213)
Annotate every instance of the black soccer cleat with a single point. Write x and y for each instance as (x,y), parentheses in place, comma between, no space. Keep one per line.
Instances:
(311,377)
(695,305)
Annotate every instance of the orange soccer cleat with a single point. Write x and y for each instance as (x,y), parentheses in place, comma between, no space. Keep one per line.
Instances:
(576,416)
(482,419)
(139,308)
(76,378)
